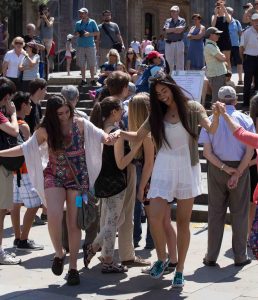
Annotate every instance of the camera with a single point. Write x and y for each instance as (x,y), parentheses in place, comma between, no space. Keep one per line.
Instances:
(81,33)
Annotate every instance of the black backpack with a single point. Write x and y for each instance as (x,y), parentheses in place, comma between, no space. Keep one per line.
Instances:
(6,142)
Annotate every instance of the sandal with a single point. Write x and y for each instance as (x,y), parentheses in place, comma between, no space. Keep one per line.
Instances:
(88,254)
(58,265)
(113,268)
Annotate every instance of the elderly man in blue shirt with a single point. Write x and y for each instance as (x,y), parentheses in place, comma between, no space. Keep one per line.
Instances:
(86,30)
(228,182)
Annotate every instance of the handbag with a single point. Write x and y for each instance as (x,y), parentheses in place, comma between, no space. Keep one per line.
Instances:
(88,210)
(116,45)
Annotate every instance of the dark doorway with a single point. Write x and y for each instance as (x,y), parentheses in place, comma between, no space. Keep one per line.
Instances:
(148,29)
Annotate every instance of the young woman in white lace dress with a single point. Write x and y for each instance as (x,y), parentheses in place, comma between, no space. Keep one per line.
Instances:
(173,123)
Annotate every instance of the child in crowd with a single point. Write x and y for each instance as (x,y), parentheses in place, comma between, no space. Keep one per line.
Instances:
(68,53)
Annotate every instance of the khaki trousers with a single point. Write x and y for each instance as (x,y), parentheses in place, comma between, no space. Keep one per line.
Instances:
(125,231)
(220,197)
(175,55)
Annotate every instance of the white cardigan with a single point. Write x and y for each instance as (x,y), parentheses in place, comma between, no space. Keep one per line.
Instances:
(36,157)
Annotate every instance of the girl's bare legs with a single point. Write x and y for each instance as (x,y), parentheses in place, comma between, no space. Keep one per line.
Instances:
(183,217)
(157,213)
(55,198)
(74,233)
(170,236)
(68,66)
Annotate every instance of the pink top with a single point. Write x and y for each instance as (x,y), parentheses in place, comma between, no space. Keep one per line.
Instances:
(3,119)
(246,137)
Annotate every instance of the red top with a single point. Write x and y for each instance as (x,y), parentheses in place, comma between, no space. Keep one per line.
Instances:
(3,119)
(246,137)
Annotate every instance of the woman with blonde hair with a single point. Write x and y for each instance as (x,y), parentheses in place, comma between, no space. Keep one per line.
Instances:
(13,59)
(113,58)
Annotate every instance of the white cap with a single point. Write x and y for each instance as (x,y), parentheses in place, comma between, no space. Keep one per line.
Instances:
(254,17)
(69,36)
(83,10)
(148,49)
(227,93)
(175,8)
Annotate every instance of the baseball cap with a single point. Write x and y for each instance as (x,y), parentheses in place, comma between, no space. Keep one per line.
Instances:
(69,36)
(153,54)
(212,30)
(148,49)
(174,8)
(254,17)
(227,93)
(83,10)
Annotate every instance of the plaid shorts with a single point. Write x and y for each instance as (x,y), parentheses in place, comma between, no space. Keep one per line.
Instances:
(86,55)
(25,193)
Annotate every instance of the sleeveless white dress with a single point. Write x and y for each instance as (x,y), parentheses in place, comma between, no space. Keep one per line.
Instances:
(173,175)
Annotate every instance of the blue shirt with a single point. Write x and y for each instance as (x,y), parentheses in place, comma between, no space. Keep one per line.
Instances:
(235,29)
(225,146)
(90,26)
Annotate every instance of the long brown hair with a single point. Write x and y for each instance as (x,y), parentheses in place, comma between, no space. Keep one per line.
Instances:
(159,109)
(133,61)
(102,110)
(52,124)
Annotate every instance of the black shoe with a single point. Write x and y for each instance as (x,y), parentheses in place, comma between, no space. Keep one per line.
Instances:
(209,263)
(15,242)
(170,268)
(38,221)
(73,277)
(136,245)
(93,82)
(58,265)
(29,245)
(43,217)
(83,83)
(243,263)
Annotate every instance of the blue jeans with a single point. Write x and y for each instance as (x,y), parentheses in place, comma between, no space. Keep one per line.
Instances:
(138,211)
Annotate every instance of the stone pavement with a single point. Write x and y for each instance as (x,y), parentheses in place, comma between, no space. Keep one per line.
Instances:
(33,279)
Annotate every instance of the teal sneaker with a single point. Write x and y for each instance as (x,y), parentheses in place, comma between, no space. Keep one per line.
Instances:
(158,268)
(178,281)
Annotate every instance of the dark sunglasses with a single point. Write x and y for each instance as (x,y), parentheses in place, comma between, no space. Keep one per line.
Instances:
(18,43)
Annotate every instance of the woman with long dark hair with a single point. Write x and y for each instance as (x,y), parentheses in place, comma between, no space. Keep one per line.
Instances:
(110,186)
(173,123)
(71,152)
(131,62)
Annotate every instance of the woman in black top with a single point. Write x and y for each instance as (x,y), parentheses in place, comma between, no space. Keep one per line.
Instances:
(221,20)
(110,185)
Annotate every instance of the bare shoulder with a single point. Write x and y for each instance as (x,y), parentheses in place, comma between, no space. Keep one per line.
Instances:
(80,123)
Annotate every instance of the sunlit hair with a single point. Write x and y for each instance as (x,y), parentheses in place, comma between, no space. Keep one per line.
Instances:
(18,39)
(113,52)
(159,109)
(116,82)
(52,124)
(102,110)
(138,112)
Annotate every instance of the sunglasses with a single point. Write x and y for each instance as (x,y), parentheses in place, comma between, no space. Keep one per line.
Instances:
(18,43)
(129,52)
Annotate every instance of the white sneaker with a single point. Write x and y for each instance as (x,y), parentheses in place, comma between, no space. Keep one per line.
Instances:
(9,258)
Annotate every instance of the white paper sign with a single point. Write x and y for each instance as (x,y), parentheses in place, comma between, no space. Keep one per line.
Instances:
(191,82)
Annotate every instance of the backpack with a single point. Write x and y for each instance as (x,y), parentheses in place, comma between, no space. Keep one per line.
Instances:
(142,85)
(6,142)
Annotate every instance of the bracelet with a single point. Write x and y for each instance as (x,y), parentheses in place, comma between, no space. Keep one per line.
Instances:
(222,167)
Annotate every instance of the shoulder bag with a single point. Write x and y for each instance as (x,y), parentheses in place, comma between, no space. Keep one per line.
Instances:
(116,45)
(88,211)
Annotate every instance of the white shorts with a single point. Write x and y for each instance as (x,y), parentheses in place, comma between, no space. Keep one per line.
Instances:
(25,193)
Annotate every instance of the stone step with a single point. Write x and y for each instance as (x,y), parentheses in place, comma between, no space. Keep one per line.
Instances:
(199,213)
(82,103)
(82,89)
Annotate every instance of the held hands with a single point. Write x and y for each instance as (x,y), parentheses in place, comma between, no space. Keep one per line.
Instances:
(113,137)
(233,181)
(221,107)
